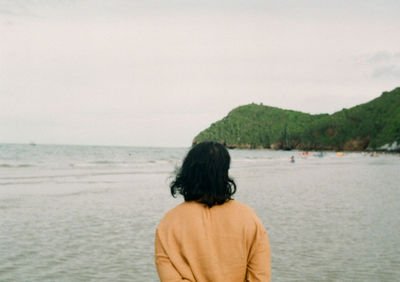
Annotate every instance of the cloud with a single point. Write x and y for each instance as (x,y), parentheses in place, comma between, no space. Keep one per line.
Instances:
(385,64)
(387,71)
(383,57)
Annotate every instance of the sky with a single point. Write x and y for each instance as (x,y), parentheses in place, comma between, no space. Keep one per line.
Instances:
(156,73)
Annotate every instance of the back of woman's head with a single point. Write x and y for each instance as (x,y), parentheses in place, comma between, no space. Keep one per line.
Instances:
(203,176)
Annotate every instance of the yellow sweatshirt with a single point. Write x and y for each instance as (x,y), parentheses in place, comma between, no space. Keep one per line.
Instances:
(224,243)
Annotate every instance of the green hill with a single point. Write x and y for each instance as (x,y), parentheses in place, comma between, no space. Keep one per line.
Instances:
(374,126)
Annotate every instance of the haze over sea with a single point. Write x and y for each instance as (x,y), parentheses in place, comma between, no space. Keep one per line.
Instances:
(88,213)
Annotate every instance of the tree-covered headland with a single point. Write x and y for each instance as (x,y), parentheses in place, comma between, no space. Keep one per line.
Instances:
(371,126)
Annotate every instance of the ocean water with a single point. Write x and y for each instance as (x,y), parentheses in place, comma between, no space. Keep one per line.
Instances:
(88,213)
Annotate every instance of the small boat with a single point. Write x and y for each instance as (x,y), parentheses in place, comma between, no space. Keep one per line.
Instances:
(339,154)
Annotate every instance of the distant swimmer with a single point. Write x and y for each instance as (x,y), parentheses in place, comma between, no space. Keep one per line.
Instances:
(319,155)
(292,159)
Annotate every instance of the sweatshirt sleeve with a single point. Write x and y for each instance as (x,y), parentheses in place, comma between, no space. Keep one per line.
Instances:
(259,262)
(166,271)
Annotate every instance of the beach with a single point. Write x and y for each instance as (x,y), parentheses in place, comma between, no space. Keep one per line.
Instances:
(88,213)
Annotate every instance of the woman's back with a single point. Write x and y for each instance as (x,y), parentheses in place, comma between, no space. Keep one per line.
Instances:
(223,243)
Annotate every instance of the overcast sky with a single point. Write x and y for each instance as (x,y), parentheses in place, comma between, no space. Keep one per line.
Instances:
(155,73)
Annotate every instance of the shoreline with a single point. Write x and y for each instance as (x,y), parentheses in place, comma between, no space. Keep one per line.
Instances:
(314,150)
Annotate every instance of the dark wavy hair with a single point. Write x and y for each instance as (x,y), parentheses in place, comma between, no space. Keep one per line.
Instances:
(203,176)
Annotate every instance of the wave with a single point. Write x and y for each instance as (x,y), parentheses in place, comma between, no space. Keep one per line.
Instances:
(19,183)
(35,179)
(102,162)
(16,165)
(83,192)
(106,163)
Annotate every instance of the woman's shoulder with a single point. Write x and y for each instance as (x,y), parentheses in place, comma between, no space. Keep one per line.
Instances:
(191,210)
(239,205)
(231,206)
(241,209)
(175,215)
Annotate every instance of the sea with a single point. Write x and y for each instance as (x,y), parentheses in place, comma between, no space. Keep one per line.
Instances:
(89,213)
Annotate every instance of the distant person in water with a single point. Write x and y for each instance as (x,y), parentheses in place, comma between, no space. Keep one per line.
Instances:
(292,159)
(210,236)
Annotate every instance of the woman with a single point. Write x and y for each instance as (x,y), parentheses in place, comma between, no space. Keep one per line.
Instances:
(210,236)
